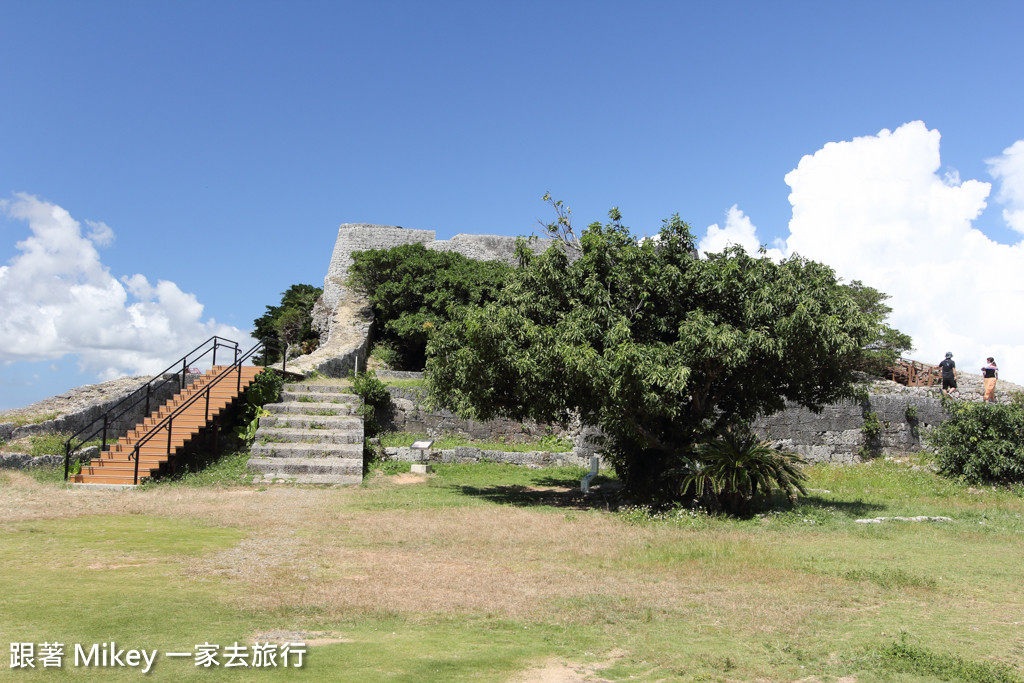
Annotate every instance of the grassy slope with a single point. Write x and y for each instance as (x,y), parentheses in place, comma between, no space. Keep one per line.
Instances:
(484,571)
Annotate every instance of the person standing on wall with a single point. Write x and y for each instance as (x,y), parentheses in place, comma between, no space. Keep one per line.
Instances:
(990,372)
(948,368)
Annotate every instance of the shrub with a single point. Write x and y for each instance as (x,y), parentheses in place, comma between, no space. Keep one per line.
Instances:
(265,389)
(386,354)
(376,401)
(872,426)
(981,443)
(414,290)
(737,467)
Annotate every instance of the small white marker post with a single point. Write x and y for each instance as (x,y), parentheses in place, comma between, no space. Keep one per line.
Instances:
(423,466)
(595,463)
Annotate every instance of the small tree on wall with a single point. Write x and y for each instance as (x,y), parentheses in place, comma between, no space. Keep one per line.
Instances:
(291,322)
(414,290)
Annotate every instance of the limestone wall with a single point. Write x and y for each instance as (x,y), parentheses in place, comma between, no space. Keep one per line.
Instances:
(81,417)
(343,317)
(835,435)
(411,414)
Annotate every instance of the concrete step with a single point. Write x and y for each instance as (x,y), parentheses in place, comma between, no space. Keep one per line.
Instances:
(300,421)
(346,479)
(313,409)
(318,397)
(308,470)
(323,466)
(307,450)
(318,388)
(276,435)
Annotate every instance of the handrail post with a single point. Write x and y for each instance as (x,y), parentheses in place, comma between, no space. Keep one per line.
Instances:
(137,446)
(149,391)
(105,431)
(184,369)
(170,424)
(206,415)
(214,352)
(67,458)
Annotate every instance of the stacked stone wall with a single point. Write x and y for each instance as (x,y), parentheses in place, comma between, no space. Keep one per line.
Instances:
(836,434)
(75,420)
(410,413)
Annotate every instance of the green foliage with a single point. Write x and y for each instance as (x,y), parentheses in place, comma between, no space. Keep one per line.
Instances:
(376,401)
(983,443)
(31,419)
(414,290)
(872,427)
(904,657)
(289,323)
(43,444)
(47,444)
(266,388)
(654,344)
(737,468)
(385,353)
(910,413)
(229,469)
(550,443)
(887,344)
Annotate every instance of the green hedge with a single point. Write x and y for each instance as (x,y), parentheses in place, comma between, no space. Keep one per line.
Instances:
(982,443)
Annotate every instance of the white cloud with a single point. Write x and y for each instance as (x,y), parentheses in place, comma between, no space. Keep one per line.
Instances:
(57,299)
(876,209)
(1009,168)
(738,230)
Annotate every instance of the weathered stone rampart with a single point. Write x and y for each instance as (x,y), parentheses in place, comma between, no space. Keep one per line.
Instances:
(343,317)
(92,408)
(836,434)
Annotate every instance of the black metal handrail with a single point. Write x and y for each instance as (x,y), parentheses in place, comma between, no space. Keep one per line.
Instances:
(168,421)
(143,393)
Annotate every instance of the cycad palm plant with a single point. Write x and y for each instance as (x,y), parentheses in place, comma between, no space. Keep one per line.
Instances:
(737,466)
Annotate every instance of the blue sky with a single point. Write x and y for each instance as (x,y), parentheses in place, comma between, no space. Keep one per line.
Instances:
(216,146)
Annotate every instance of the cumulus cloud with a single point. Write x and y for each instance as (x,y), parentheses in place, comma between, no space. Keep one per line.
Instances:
(57,298)
(738,230)
(1009,169)
(877,209)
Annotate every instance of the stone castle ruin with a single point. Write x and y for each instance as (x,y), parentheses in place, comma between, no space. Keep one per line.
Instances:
(900,415)
(343,317)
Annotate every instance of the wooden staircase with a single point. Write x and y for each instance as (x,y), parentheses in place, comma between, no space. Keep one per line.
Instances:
(160,442)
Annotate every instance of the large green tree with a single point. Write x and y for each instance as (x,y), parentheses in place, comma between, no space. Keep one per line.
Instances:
(888,343)
(414,290)
(660,348)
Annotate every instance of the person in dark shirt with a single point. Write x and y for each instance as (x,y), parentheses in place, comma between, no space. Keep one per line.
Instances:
(948,368)
(990,372)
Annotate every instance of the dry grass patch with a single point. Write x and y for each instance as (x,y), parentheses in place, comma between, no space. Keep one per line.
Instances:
(741,598)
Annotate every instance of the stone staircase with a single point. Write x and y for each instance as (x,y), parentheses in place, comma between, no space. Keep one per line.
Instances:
(314,436)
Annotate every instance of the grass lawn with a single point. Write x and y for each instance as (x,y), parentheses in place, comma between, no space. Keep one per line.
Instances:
(491,572)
